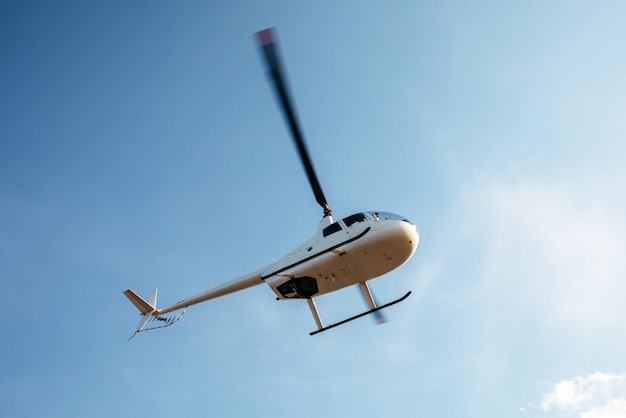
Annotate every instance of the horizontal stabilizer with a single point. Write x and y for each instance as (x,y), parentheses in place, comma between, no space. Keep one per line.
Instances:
(143,306)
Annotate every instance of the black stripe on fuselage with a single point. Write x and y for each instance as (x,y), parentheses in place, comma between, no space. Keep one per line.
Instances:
(317,255)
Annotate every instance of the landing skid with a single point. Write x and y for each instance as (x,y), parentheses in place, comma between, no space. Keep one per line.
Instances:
(322,328)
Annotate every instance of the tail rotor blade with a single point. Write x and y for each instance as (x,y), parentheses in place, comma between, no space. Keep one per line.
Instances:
(269,49)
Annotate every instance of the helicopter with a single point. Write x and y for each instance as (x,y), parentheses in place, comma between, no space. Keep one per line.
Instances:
(342,253)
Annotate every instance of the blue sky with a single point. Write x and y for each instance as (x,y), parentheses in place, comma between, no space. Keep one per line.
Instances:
(141,146)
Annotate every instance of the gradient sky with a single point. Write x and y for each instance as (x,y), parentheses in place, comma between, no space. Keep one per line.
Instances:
(141,146)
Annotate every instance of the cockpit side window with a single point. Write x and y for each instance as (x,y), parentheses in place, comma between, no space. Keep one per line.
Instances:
(353,219)
(331,229)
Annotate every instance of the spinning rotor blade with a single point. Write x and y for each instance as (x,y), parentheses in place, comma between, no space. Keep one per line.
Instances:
(270,51)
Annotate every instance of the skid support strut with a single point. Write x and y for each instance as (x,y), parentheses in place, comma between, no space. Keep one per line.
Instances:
(369,299)
(316,314)
(320,328)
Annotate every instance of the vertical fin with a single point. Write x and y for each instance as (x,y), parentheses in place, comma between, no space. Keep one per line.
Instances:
(146,308)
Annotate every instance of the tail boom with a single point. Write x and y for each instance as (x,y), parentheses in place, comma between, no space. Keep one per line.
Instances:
(241,283)
(150,313)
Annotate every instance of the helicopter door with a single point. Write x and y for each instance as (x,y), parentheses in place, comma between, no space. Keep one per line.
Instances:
(357,225)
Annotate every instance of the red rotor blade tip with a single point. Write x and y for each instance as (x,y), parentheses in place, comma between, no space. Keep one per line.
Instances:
(266,36)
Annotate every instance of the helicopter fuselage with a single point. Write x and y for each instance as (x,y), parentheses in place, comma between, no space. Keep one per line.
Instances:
(343,253)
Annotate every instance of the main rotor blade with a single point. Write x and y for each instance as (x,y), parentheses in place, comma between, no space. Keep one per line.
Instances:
(270,51)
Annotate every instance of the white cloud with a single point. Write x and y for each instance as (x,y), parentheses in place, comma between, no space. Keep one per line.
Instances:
(598,395)
(615,408)
(554,247)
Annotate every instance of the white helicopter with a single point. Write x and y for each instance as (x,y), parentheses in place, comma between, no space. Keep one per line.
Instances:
(342,253)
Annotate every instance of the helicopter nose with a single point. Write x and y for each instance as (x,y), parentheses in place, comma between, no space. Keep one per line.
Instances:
(405,238)
(411,236)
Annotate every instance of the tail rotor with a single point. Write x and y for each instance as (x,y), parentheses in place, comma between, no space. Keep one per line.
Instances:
(149,312)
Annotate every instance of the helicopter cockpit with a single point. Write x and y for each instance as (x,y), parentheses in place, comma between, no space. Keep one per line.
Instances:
(362,217)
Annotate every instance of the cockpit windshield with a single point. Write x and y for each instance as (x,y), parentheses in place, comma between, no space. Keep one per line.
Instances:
(384,216)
